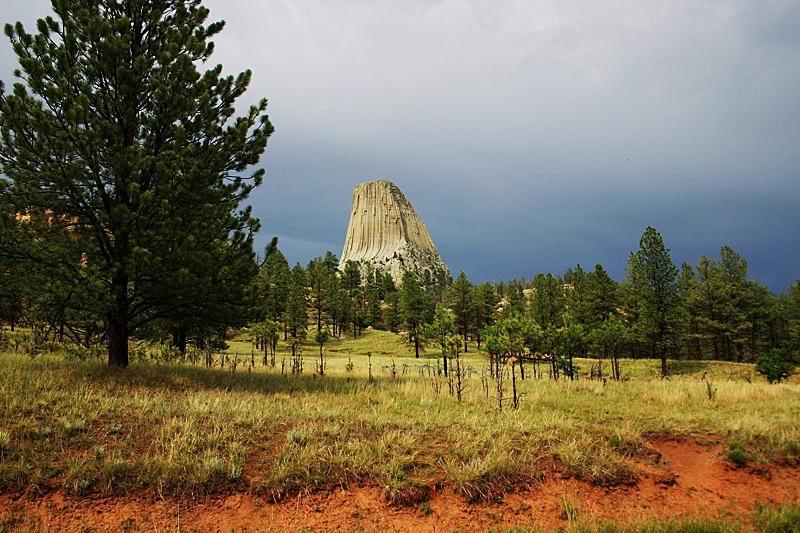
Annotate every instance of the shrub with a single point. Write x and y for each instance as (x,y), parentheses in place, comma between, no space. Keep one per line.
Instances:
(776,365)
(736,453)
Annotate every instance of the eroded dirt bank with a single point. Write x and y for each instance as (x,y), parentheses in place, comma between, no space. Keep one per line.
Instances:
(683,477)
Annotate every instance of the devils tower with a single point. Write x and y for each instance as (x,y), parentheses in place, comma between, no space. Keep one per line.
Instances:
(385,232)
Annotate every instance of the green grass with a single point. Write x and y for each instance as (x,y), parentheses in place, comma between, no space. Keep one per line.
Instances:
(183,428)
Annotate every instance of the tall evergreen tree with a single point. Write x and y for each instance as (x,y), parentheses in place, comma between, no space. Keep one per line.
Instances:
(734,271)
(548,302)
(277,274)
(459,298)
(352,275)
(600,303)
(374,310)
(686,282)
(763,306)
(297,304)
(415,306)
(720,298)
(601,300)
(393,313)
(320,272)
(706,300)
(576,298)
(485,303)
(359,310)
(389,286)
(515,297)
(655,280)
(342,308)
(631,297)
(136,154)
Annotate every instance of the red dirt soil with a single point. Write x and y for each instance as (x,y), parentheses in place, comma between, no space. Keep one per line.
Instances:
(684,478)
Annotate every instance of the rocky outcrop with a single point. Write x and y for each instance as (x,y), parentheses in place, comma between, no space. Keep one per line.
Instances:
(385,232)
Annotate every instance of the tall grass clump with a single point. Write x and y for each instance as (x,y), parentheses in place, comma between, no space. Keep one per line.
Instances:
(5,443)
(780,519)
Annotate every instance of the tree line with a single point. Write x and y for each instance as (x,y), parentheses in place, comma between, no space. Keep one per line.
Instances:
(708,311)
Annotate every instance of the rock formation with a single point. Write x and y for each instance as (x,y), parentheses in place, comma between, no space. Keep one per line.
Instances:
(385,232)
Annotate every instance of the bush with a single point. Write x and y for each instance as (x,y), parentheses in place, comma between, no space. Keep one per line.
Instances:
(737,454)
(776,365)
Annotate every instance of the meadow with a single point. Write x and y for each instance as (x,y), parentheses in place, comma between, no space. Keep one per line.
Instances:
(378,416)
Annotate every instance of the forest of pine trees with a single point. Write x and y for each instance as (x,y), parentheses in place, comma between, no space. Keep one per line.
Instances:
(711,310)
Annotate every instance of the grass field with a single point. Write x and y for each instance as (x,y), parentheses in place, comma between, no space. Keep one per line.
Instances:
(183,429)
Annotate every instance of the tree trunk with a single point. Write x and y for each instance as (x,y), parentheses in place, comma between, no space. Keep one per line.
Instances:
(179,339)
(118,323)
(696,341)
(514,386)
(117,339)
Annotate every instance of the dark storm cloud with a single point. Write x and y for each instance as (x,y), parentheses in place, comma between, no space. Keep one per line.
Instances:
(530,136)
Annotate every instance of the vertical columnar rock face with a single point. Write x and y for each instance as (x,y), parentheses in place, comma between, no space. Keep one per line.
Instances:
(385,232)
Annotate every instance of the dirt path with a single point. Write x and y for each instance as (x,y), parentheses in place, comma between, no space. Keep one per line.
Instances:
(684,478)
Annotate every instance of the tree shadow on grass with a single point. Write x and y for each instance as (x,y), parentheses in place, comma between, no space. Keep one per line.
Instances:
(188,378)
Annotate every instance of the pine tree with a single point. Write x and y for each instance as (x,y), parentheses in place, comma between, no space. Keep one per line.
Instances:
(352,275)
(515,297)
(706,301)
(440,331)
(601,300)
(414,306)
(739,303)
(359,310)
(393,314)
(297,304)
(548,301)
(686,282)
(655,282)
(320,271)
(374,310)
(459,297)
(278,276)
(485,303)
(132,156)
(763,305)
(576,297)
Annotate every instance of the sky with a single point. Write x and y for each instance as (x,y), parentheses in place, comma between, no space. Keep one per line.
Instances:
(530,136)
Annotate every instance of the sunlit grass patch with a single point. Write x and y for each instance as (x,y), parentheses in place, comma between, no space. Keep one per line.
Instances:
(190,428)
